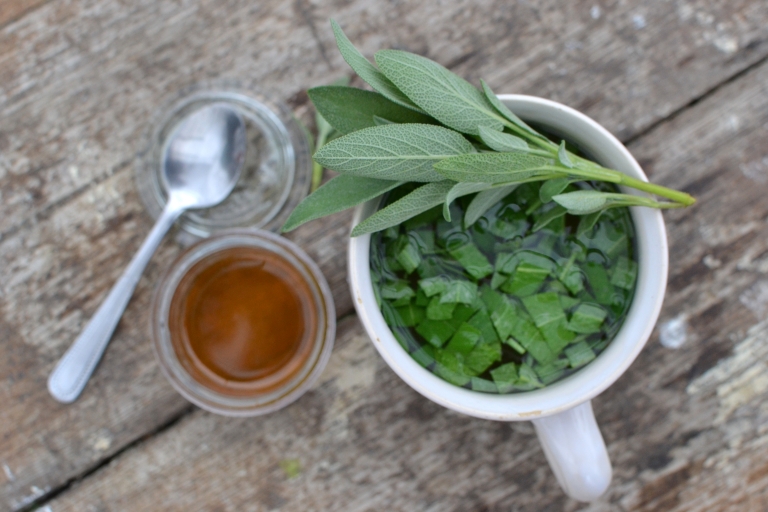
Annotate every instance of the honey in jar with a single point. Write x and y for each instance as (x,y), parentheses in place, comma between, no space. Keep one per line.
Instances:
(243,321)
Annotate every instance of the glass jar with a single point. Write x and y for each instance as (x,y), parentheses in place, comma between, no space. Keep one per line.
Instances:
(234,397)
(276,174)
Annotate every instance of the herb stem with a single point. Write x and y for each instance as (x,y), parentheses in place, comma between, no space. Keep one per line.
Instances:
(679,197)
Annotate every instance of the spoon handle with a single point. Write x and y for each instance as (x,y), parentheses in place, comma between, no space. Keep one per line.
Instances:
(68,379)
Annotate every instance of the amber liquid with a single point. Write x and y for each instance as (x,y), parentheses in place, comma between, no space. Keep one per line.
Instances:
(243,321)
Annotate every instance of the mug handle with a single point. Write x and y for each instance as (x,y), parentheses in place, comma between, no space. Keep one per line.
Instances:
(576,451)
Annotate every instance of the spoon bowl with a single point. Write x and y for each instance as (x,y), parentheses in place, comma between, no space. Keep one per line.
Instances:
(202,162)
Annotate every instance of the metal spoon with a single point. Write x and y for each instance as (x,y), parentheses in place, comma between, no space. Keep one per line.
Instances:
(201,165)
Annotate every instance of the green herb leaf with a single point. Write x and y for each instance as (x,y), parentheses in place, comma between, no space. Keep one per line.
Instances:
(349,109)
(459,292)
(483,201)
(393,152)
(497,168)
(368,71)
(420,200)
(500,141)
(448,98)
(551,188)
(502,109)
(562,156)
(584,202)
(555,213)
(459,190)
(587,222)
(338,194)
(379,121)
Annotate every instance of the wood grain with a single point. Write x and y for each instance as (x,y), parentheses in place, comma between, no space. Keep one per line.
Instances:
(686,428)
(79,81)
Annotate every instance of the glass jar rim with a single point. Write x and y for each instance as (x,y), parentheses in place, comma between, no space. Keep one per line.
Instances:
(262,403)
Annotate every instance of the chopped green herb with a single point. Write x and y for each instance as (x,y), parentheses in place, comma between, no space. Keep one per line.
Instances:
(433,285)
(483,356)
(505,377)
(411,314)
(579,354)
(462,292)
(436,332)
(439,311)
(624,274)
(548,305)
(470,257)
(464,340)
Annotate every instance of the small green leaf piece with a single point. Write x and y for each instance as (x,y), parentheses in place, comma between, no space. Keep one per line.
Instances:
(459,292)
(464,340)
(349,109)
(393,152)
(579,354)
(473,261)
(562,156)
(587,318)
(445,96)
(500,141)
(420,200)
(439,311)
(436,332)
(433,285)
(368,71)
(338,194)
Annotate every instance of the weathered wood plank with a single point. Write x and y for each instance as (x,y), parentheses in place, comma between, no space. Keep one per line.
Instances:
(80,79)
(686,428)
(11,10)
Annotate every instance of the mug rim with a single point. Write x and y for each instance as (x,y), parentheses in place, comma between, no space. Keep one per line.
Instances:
(595,377)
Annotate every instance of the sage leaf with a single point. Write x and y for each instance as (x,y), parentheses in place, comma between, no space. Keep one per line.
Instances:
(448,98)
(500,141)
(379,121)
(584,202)
(420,200)
(401,152)
(498,168)
(349,109)
(555,213)
(483,201)
(587,222)
(562,156)
(368,71)
(338,194)
(502,109)
(459,190)
(552,187)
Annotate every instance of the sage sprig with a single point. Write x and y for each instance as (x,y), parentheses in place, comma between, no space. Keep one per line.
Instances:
(425,124)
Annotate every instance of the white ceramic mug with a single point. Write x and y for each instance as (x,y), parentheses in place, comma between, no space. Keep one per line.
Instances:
(561,412)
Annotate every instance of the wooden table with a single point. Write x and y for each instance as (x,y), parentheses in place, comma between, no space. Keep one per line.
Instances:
(683,83)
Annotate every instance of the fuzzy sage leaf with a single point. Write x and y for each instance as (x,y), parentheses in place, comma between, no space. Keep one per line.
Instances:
(502,109)
(349,109)
(445,96)
(500,141)
(552,188)
(368,71)
(459,190)
(585,202)
(402,152)
(420,200)
(498,168)
(562,156)
(338,194)
(483,201)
